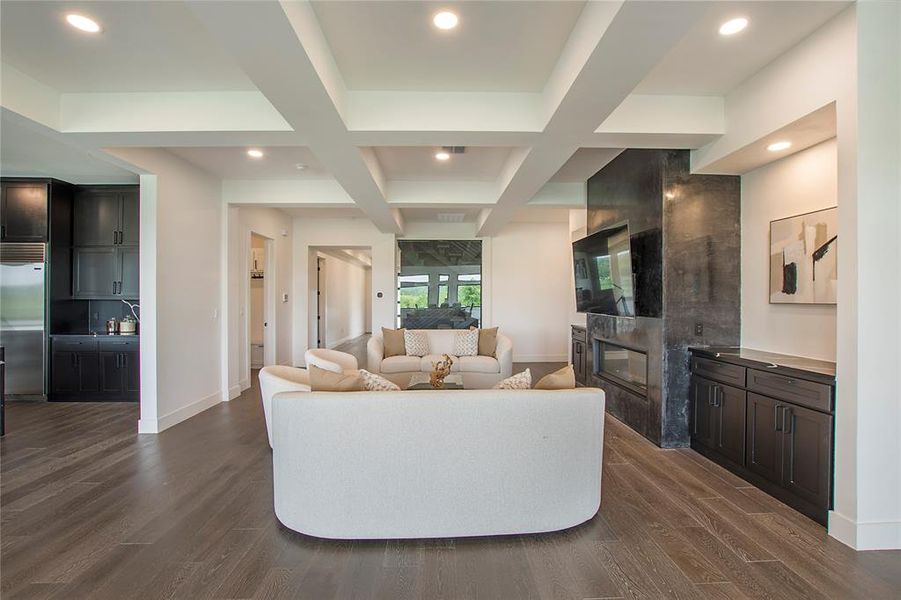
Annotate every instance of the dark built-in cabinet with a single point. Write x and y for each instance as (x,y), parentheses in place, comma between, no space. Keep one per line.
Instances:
(105,225)
(580,354)
(106,367)
(769,423)
(23,211)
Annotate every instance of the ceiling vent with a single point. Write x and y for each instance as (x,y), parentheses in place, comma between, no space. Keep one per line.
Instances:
(451,217)
(454,149)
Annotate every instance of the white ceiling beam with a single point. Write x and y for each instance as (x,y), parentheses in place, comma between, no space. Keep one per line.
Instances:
(611,49)
(319,192)
(283,53)
(425,193)
(29,97)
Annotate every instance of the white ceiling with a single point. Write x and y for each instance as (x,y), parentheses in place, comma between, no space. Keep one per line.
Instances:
(27,152)
(585,163)
(705,63)
(322,212)
(418,163)
(144,46)
(498,46)
(278,162)
(446,214)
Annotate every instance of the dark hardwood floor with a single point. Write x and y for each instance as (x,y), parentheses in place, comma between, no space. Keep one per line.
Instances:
(90,509)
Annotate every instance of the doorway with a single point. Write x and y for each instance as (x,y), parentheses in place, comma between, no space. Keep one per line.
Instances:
(340,308)
(261,303)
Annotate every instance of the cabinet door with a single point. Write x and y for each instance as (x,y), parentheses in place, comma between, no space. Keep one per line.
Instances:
(88,371)
(578,351)
(729,411)
(702,430)
(128,277)
(111,372)
(131,365)
(96,272)
(130,224)
(764,439)
(64,372)
(24,216)
(807,454)
(96,220)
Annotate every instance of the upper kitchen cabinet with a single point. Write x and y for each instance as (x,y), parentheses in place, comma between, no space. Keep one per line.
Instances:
(23,211)
(106,216)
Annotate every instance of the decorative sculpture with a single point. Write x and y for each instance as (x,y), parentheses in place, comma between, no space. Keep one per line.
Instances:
(440,370)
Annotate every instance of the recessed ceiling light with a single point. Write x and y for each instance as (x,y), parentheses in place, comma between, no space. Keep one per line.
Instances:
(733,26)
(300,166)
(445,20)
(777,146)
(442,155)
(254,153)
(81,22)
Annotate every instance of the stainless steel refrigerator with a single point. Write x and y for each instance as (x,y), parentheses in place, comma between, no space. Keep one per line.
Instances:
(22,322)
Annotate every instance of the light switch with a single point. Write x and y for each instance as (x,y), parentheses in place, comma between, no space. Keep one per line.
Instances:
(284,297)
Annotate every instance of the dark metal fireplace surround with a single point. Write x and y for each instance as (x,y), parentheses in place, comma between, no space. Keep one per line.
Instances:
(621,365)
(685,235)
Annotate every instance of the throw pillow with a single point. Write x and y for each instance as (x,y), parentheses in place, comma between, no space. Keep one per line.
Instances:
(466,343)
(322,380)
(377,383)
(520,381)
(416,342)
(487,341)
(394,342)
(564,379)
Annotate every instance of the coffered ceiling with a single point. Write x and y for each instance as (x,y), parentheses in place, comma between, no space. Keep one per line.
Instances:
(365,94)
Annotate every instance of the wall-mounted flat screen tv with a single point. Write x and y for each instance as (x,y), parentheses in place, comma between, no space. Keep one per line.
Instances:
(602,264)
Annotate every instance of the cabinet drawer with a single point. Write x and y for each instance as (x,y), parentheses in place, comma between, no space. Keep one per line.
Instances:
(119,344)
(813,395)
(718,371)
(579,334)
(74,345)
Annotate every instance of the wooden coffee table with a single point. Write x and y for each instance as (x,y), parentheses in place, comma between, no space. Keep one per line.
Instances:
(420,381)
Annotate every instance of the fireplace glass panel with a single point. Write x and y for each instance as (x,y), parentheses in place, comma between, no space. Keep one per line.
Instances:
(622,364)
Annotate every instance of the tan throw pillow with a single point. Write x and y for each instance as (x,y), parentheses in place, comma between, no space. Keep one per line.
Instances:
(376,383)
(520,381)
(322,380)
(487,342)
(564,379)
(394,342)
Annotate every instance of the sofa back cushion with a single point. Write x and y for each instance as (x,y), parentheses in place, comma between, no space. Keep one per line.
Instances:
(393,340)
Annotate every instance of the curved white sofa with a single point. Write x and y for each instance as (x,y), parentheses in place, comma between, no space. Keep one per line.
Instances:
(275,380)
(330,360)
(437,463)
(479,372)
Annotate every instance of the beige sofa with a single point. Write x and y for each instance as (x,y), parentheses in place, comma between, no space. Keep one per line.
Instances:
(436,463)
(479,372)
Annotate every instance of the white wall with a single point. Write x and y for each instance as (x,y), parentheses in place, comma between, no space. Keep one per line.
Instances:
(181,285)
(797,184)
(272,224)
(339,233)
(531,289)
(345,300)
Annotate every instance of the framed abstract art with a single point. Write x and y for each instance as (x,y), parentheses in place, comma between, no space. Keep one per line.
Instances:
(804,258)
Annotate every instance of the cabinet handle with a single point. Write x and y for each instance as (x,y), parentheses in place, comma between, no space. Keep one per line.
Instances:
(124,360)
(777,418)
(787,418)
(717,396)
(114,288)
(118,360)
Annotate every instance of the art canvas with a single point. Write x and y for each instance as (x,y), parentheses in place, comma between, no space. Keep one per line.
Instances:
(804,258)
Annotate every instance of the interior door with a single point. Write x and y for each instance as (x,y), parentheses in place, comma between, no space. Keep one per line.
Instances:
(807,454)
(764,423)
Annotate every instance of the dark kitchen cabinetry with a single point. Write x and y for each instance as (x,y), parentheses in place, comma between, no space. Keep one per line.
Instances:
(95,368)
(769,423)
(106,216)
(105,273)
(23,211)
(580,354)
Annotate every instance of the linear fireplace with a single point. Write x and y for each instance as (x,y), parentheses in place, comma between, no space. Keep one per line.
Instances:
(625,366)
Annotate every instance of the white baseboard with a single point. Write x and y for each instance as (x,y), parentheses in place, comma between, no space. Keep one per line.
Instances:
(873,535)
(234,391)
(177,416)
(245,385)
(518,358)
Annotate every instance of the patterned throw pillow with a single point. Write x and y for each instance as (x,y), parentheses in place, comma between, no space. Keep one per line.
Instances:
(377,383)
(520,381)
(466,343)
(417,342)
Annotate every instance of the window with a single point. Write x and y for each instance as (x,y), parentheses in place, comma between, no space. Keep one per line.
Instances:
(439,284)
